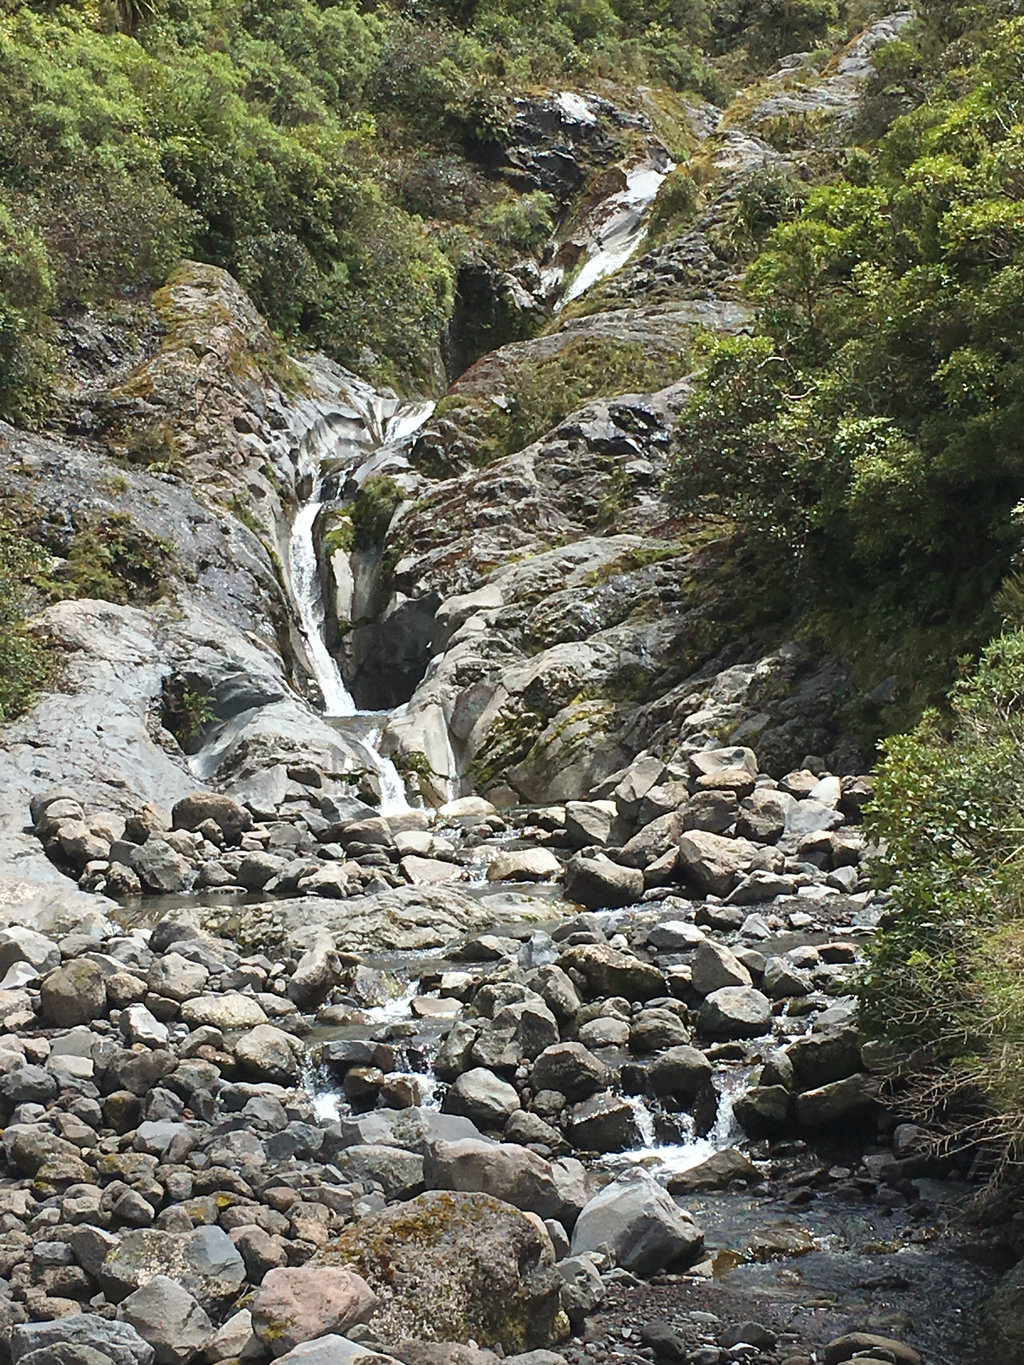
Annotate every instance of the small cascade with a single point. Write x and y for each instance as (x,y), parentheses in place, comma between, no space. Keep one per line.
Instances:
(364,436)
(304,575)
(613,229)
(683,1156)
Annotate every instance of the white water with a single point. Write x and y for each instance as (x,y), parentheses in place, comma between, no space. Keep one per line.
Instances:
(306,591)
(615,228)
(366,433)
(672,1158)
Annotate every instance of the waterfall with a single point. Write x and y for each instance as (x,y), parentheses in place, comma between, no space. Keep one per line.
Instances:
(366,433)
(304,576)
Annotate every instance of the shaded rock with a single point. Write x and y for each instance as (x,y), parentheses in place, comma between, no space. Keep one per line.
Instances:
(604,1123)
(680,1073)
(853,1097)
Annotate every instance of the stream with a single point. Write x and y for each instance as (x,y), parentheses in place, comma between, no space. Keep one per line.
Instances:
(808,1247)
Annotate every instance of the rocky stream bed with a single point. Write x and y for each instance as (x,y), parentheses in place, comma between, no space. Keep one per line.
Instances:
(584,1078)
(440,948)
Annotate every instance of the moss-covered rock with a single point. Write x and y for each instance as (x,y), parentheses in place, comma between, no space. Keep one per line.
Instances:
(450,1267)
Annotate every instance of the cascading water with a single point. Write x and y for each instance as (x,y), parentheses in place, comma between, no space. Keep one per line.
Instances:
(612,230)
(304,574)
(369,430)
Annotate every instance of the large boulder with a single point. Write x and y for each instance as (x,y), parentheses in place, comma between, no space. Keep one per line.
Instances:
(642,1224)
(597,883)
(514,1174)
(714,864)
(735,1012)
(607,971)
(455,1267)
(300,1303)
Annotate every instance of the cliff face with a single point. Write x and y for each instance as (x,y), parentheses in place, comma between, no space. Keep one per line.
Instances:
(508,575)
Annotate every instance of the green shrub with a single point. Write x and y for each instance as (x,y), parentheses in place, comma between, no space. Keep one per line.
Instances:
(26,663)
(945,974)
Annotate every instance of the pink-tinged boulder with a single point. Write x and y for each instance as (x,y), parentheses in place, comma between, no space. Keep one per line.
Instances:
(299,1303)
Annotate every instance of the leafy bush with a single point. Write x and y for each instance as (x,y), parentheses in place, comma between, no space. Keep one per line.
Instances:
(26,663)
(944,975)
(872,436)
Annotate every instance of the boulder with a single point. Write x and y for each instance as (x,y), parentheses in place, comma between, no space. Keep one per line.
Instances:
(168,1317)
(853,1344)
(74,993)
(524,865)
(160,868)
(450,1267)
(819,1058)
(230,816)
(680,1073)
(715,966)
(719,1170)
(295,1304)
(854,1097)
(177,978)
(714,864)
(597,883)
(510,1173)
(398,1172)
(118,1341)
(735,1012)
(18,943)
(411,1129)
(604,1123)
(204,1262)
(231,1010)
(589,822)
(268,1054)
(608,971)
(570,1069)
(484,1098)
(641,1223)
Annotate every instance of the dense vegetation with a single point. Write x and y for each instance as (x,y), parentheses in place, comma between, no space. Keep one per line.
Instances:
(870,437)
(868,442)
(301,145)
